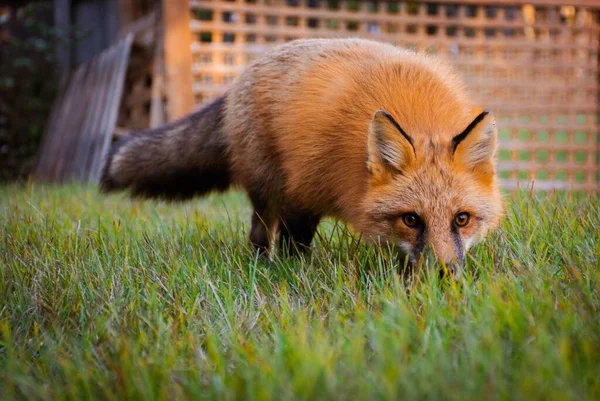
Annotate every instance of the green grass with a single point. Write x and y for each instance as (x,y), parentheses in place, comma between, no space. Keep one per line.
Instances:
(107,298)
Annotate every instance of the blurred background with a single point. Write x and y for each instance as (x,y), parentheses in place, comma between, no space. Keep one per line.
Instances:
(76,75)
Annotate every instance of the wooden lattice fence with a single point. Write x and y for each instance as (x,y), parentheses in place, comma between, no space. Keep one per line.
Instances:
(535,64)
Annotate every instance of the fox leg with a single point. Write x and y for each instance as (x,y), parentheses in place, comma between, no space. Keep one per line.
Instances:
(264,224)
(297,230)
(261,232)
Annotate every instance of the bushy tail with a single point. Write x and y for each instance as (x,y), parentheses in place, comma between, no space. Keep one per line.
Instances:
(178,161)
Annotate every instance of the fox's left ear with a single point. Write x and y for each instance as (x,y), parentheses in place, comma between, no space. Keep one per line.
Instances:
(476,146)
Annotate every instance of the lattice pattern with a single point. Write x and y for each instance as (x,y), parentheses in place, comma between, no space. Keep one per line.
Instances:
(143,98)
(136,104)
(536,67)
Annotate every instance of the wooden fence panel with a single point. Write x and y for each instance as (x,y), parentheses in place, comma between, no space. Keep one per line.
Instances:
(83,118)
(534,64)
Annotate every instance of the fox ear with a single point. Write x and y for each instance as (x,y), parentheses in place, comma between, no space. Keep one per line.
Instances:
(389,148)
(475,147)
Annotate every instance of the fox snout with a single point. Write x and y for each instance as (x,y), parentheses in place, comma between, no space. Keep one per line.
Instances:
(449,260)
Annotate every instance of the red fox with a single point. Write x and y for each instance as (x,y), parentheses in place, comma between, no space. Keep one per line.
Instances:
(384,139)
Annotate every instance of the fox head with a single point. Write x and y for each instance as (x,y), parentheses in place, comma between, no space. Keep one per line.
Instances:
(436,197)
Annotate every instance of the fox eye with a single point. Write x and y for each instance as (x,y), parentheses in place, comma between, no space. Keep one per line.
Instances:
(462,219)
(411,219)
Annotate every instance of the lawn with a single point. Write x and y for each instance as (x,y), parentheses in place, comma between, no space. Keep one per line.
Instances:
(108,298)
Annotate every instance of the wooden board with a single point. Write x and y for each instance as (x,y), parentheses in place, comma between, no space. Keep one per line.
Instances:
(83,118)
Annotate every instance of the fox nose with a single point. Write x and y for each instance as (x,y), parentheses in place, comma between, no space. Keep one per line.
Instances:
(453,270)
(447,265)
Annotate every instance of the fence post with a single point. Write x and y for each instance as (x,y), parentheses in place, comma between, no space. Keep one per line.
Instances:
(178,58)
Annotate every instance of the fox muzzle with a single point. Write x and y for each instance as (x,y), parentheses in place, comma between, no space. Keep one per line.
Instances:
(448,262)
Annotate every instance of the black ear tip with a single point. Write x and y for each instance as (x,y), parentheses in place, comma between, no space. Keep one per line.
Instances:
(382,113)
(486,116)
(459,138)
(480,117)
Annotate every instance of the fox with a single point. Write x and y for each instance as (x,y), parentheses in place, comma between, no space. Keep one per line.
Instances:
(384,139)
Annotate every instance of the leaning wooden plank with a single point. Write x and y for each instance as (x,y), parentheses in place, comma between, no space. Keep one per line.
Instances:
(104,97)
(61,133)
(54,132)
(111,111)
(97,85)
(78,140)
(43,158)
(79,119)
(68,149)
(70,126)
(98,131)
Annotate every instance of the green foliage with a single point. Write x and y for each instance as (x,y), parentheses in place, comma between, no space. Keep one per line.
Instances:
(28,82)
(110,298)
